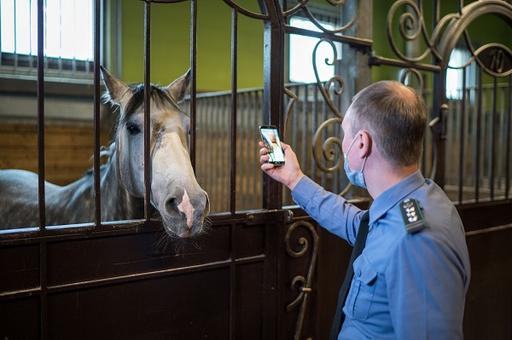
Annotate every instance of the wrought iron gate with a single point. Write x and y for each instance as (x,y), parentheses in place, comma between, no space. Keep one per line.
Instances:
(270,273)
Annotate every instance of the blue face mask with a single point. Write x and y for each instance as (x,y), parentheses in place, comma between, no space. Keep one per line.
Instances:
(354,177)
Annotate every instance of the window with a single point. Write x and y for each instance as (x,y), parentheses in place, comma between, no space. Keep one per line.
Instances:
(454,84)
(301,54)
(68,35)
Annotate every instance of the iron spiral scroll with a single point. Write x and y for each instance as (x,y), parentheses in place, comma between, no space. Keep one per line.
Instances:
(300,283)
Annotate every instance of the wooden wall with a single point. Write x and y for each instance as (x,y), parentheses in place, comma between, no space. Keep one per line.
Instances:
(68,148)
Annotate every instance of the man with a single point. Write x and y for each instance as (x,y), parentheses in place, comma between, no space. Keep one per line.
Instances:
(412,275)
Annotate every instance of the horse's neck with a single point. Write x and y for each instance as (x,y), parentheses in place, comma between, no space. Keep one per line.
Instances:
(116,202)
(75,202)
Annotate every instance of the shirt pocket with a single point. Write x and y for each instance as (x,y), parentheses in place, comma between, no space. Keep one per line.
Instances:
(364,283)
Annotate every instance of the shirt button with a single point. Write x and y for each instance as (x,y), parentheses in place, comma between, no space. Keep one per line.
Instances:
(358,272)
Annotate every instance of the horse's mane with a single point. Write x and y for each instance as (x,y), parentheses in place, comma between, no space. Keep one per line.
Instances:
(105,151)
(158,95)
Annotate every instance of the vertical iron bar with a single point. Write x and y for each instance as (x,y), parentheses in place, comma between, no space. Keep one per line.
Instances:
(478,128)
(40,114)
(256,172)
(462,139)
(41,170)
(147,106)
(232,163)
(507,139)
(304,127)
(193,52)
(294,128)
(315,126)
(97,96)
(232,146)
(15,36)
(324,137)
(492,136)
(273,49)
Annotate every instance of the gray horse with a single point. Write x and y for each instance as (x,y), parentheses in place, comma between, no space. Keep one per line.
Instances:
(175,193)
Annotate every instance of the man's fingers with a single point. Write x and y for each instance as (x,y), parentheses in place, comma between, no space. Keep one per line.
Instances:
(263,151)
(267,166)
(264,159)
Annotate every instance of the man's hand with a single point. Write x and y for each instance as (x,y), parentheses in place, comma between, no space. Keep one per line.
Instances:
(289,174)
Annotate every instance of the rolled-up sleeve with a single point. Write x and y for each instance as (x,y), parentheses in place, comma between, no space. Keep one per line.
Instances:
(331,211)
(425,289)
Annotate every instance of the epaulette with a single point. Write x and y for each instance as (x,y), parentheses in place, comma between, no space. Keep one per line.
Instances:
(412,215)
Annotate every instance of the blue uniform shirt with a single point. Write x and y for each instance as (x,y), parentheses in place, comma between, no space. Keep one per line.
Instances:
(405,285)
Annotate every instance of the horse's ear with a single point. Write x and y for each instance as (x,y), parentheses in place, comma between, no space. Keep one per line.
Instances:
(179,87)
(117,91)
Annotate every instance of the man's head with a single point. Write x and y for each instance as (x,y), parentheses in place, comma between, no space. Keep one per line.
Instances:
(394,116)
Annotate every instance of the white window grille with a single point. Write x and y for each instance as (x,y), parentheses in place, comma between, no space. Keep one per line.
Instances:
(301,54)
(68,37)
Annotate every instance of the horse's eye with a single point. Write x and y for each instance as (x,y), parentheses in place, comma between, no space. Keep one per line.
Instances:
(132,128)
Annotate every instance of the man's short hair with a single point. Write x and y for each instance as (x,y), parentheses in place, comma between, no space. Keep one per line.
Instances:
(395,115)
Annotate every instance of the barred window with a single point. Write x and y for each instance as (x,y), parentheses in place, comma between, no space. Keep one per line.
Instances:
(301,53)
(68,37)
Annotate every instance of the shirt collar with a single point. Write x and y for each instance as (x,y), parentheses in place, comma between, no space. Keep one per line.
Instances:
(393,195)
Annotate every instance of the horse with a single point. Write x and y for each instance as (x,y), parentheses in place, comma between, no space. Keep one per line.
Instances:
(175,193)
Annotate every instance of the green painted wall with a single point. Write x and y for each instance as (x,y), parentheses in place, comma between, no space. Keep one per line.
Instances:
(170,31)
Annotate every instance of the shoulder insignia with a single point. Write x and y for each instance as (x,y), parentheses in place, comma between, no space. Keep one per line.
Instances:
(412,215)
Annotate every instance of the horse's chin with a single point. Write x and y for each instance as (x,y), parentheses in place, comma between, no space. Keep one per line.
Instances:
(179,229)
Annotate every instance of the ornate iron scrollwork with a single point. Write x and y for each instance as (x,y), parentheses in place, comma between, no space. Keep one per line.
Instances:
(302,5)
(300,283)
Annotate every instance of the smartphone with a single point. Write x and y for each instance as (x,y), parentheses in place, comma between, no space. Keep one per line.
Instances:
(270,137)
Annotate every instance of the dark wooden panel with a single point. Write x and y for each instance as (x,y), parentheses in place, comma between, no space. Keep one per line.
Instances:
(249,301)
(250,240)
(19,319)
(488,312)
(103,257)
(333,257)
(488,214)
(19,267)
(192,306)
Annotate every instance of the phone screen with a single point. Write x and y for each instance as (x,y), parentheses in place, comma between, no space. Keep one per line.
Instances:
(270,136)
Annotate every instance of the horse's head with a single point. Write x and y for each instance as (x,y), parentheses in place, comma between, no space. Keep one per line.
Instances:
(175,193)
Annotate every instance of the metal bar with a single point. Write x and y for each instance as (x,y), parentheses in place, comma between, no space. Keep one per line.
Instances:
(147,108)
(492,137)
(41,170)
(378,60)
(88,230)
(232,279)
(315,126)
(40,114)
(15,35)
(273,54)
(462,136)
(477,135)
(304,127)
(360,43)
(97,98)
(193,53)
(132,277)
(488,230)
(507,152)
(234,102)
(255,171)
(324,118)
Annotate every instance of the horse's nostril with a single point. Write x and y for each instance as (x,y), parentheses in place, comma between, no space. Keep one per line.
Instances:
(170,205)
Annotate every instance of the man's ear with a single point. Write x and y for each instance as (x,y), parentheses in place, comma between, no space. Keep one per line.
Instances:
(364,143)
(179,87)
(117,92)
